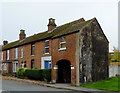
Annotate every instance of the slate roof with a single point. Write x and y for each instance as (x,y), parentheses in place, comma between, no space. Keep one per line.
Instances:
(65,29)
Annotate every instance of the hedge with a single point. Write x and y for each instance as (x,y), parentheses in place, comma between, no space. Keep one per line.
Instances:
(37,74)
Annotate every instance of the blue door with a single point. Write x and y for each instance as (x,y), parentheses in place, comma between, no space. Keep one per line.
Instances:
(47,64)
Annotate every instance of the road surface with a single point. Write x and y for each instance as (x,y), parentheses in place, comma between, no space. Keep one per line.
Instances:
(20,87)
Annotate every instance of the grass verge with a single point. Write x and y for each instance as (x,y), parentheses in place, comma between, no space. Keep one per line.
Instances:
(109,84)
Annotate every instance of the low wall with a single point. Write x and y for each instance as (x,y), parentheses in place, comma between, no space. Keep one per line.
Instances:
(114,70)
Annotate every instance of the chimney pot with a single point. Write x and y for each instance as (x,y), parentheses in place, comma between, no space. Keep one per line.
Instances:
(51,25)
(22,34)
(5,42)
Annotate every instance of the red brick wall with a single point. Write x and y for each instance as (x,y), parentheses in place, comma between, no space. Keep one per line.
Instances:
(68,54)
(39,52)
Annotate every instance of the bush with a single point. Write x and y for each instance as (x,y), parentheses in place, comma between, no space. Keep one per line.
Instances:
(47,75)
(34,74)
(37,74)
(21,72)
(115,60)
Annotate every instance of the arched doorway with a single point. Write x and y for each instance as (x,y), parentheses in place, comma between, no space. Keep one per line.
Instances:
(64,71)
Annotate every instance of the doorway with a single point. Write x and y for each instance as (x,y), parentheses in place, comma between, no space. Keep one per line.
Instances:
(64,71)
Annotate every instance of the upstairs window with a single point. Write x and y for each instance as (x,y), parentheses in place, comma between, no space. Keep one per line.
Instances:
(33,49)
(21,52)
(7,54)
(2,56)
(32,64)
(16,53)
(62,43)
(46,46)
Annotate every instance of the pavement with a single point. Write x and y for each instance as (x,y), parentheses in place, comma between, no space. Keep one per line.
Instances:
(57,86)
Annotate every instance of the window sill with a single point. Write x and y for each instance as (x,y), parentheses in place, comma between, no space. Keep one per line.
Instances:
(32,55)
(21,57)
(4,69)
(46,54)
(61,49)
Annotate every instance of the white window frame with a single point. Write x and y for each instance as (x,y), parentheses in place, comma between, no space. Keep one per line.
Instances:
(2,56)
(16,53)
(4,66)
(62,43)
(43,59)
(15,66)
(46,47)
(0,66)
(8,54)
(22,65)
(34,50)
(21,52)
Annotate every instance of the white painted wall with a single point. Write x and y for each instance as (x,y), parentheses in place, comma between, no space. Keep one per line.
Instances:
(114,70)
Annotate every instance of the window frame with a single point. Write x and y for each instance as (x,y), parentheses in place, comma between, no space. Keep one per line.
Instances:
(0,66)
(32,53)
(16,53)
(15,66)
(4,66)
(21,53)
(46,47)
(8,54)
(2,55)
(32,64)
(60,43)
(25,64)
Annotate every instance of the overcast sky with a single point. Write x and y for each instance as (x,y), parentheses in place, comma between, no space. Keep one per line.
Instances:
(33,17)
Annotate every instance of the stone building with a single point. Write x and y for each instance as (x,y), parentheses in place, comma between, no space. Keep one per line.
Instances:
(77,52)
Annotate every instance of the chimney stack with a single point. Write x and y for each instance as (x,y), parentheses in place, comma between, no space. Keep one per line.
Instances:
(51,25)
(22,34)
(5,42)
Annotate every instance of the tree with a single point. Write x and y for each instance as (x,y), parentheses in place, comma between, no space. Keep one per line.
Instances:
(116,56)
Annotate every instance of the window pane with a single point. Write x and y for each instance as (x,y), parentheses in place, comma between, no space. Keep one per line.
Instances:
(16,53)
(63,45)
(46,50)
(62,39)
(32,64)
(25,64)
(21,52)
(32,49)
(46,43)
(16,66)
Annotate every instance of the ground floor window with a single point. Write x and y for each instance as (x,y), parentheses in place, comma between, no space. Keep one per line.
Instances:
(4,66)
(32,64)
(0,66)
(15,67)
(47,64)
(22,64)
(25,64)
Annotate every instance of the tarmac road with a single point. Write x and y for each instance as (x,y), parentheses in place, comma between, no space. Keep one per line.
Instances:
(20,87)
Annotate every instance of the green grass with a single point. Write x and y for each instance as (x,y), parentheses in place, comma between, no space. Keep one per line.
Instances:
(109,84)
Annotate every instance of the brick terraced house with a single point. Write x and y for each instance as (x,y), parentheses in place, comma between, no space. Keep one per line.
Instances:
(77,52)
